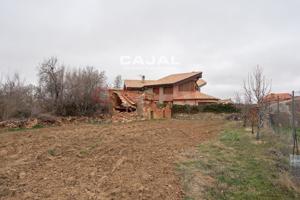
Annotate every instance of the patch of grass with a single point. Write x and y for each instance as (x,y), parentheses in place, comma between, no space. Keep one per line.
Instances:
(55,151)
(240,167)
(97,122)
(90,148)
(230,136)
(16,129)
(286,130)
(93,146)
(83,152)
(188,198)
(37,126)
(51,152)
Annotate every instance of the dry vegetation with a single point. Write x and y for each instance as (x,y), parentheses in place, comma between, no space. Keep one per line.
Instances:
(59,92)
(114,161)
(158,159)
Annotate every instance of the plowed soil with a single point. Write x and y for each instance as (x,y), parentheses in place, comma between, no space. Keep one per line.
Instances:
(136,160)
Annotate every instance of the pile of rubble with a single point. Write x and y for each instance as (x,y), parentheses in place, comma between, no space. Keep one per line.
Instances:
(49,120)
(19,123)
(126,117)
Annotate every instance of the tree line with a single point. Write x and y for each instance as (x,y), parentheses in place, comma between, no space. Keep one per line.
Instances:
(81,91)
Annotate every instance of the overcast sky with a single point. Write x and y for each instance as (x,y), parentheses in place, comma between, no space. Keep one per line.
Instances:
(223,39)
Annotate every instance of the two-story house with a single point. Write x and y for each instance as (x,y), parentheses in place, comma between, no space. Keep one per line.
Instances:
(183,88)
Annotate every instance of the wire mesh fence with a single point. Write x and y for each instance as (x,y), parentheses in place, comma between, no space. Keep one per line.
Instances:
(284,116)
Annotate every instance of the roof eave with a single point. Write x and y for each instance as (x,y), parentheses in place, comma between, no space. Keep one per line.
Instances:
(165,84)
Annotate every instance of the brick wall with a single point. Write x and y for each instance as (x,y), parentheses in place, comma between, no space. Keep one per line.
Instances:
(153,111)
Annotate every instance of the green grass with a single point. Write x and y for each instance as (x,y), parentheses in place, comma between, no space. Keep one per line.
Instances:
(232,136)
(38,126)
(51,152)
(89,149)
(240,168)
(286,130)
(16,129)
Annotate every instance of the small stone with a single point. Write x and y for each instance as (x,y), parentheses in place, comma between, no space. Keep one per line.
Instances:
(92,174)
(22,175)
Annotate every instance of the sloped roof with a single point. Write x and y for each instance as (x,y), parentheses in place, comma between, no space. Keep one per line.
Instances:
(174,78)
(201,82)
(195,96)
(277,96)
(167,80)
(136,83)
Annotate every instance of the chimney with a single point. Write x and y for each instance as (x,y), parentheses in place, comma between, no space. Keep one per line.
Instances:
(143,78)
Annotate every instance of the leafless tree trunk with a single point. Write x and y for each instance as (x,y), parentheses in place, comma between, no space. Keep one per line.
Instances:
(51,84)
(256,88)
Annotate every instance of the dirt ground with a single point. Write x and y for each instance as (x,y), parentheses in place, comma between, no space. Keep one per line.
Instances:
(134,160)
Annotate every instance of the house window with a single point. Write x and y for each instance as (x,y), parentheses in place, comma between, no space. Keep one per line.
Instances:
(189,86)
(156,91)
(168,90)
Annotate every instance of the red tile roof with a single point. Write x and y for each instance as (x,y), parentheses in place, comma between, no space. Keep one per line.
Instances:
(171,79)
(273,97)
(174,78)
(195,96)
(136,83)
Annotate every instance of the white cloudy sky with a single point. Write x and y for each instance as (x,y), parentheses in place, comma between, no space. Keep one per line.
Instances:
(224,39)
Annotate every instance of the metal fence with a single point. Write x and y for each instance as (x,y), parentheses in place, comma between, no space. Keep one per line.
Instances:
(284,116)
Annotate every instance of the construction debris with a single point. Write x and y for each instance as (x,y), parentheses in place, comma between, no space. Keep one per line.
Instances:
(49,120)
(142,102)
(126,117)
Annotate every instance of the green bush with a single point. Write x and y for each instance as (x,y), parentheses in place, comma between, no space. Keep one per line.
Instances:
(221,108)
(215,108)
(186,109)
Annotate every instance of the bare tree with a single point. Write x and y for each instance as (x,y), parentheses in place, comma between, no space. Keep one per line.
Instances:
(80,88)
(77,92)
(118,82)
(51,84)
(16,98)
(256,88)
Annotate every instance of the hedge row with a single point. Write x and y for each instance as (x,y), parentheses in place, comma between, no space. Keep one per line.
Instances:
(215,108)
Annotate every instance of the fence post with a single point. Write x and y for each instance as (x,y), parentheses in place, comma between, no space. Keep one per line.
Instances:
(295,146)
(278,115)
